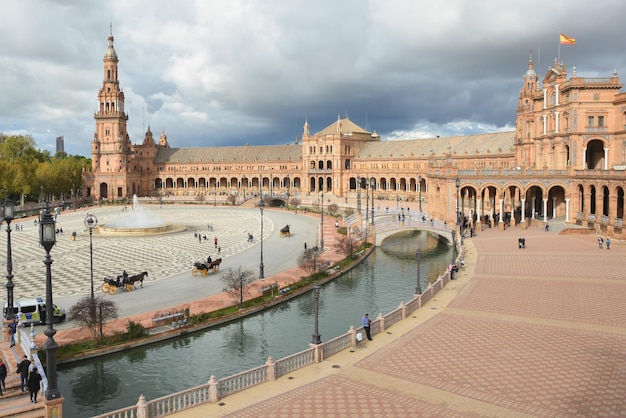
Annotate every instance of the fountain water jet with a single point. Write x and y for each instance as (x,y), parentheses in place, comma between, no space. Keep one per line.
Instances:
(139,220)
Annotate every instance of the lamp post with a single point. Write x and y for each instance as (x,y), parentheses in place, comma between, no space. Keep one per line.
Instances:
(367,198)
(373,186)
(288,188)
(261,206)
(316,295)
(47,239)
(457,183)
(419,184)
(397,197)
(8,213)
(358,194)
(91,222)
(453,246)
(418,257)
(240,290)
(322,224)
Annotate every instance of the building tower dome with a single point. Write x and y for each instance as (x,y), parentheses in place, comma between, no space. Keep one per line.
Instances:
(110,52)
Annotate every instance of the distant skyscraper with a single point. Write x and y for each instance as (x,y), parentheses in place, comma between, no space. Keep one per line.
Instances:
(60,144)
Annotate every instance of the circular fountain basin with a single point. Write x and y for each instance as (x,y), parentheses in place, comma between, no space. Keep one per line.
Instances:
(151,230)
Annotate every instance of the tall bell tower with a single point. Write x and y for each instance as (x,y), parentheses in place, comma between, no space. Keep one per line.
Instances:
(111,147)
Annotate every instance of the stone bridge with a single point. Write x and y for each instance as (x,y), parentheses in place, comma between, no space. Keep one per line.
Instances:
(388,224)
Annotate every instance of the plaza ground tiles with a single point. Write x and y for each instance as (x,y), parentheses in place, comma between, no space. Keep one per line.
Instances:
(535,332)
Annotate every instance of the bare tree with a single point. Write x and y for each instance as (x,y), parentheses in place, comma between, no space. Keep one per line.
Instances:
(237,282)
(231,199)
(295,202)
(333,208)
(308,260)
(345,245)
(360,234)
(93,314)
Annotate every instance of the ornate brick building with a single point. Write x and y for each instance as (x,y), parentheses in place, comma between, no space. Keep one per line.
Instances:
(566,159)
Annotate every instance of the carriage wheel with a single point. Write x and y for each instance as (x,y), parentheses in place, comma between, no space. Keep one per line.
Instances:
(205,272)
(105,287)
(194,271)
(112,290)
(129,287)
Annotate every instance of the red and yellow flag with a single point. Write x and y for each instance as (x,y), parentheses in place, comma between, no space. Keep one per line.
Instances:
(565,40)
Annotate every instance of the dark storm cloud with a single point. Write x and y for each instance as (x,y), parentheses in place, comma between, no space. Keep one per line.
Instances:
(237,72)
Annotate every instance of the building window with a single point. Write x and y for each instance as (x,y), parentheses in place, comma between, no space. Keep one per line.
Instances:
(600,121)
(589,121)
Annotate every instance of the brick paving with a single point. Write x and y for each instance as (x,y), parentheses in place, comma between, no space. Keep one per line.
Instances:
(536,332)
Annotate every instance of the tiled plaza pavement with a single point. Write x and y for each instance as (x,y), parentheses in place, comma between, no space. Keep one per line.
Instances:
(535,332)
(163,255)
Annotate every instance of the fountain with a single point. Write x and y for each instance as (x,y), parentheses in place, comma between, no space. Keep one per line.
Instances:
(139,220)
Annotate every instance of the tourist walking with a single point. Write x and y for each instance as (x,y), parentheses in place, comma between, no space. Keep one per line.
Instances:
(34,384)
(608,243)
(215,241)
(600,242)
(12,330)
(366,322)
(22,369)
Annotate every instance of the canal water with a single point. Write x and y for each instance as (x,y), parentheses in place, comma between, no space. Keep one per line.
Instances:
(379,284)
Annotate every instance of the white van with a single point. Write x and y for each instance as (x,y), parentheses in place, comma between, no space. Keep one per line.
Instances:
(33,311)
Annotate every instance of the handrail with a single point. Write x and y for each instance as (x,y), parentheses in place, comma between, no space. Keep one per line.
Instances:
(214,390)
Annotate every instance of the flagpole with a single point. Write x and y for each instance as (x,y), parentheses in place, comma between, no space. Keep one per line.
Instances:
(558,54)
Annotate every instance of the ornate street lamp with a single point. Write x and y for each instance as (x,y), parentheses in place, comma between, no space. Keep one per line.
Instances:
(8,213)
(367,198)
(91,222)
(240,290)
(418,257)
(288,188)
(419,183)
(47,239)
(457,182)
(358,194)
(453,246)
(322,224)
(373,186)
(261,273)
(316,295)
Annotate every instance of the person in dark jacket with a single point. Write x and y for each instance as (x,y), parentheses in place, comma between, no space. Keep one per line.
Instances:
(34,384)
(3,375)
(22,369)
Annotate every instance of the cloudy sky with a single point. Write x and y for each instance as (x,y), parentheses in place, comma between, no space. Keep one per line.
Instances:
(235,72)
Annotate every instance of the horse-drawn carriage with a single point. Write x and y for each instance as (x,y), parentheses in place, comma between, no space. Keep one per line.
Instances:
(123,281)
(284,232)
(205,268)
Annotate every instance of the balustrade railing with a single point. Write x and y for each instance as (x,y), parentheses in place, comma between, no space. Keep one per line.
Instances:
(336,345)
(294,362)
(241,381)
(215,389)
